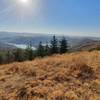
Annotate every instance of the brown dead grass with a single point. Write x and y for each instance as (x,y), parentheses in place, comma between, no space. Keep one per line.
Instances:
(74,76)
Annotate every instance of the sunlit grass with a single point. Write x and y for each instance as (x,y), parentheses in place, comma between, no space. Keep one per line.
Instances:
(74,76)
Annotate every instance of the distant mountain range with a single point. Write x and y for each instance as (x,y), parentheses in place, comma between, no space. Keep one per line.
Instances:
(11,39)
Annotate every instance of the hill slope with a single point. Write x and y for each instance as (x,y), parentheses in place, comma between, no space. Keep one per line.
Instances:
(86,45)
(74,76)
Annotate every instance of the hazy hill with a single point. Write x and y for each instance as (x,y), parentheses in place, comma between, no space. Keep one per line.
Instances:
(74,76)
(11,39)
(87,44)
(4,46)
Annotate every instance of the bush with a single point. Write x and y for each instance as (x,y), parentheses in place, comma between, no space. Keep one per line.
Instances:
(1,59)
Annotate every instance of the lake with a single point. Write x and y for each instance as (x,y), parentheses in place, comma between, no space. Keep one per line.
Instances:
(21,46)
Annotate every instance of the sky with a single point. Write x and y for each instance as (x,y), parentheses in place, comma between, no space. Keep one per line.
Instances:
(63,17)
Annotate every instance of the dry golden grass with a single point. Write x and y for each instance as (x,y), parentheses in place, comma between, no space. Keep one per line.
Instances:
(74,76)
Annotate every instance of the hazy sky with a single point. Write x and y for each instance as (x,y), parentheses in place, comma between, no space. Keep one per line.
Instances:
(70,17)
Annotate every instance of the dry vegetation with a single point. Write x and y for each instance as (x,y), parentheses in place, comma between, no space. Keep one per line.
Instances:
(74,76)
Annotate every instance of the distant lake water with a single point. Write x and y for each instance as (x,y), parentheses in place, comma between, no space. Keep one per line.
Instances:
(21,46)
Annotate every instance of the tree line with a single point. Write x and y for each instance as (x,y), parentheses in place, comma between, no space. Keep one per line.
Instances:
(55,46)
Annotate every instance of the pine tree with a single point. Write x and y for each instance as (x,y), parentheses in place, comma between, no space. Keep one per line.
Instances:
(18,55)
(40,50)
(63,45)
(9,57)
(54,45)
(47,50)
(29,52)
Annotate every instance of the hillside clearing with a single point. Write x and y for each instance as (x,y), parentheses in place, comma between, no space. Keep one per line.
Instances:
(74,76)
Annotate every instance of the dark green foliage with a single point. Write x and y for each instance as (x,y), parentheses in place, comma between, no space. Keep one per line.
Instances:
(29,54)
(9,57)
(40,50)
(19,55)
(54,45)
(47,50)
(1,59)
(63,45)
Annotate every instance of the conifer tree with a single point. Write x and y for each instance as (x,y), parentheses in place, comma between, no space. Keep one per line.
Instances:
(29,52)
(40,50)
(63,45)
(9,57)
(54,45)
(47,50)
(18,55)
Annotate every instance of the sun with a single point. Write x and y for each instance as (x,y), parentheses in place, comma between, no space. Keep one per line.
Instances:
(24,1)
(26,8)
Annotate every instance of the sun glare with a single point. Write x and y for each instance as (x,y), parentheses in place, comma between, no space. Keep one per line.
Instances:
(23,9)
(24,1)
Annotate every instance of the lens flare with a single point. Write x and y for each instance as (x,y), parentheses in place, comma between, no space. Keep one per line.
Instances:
(24,1)
(22,10)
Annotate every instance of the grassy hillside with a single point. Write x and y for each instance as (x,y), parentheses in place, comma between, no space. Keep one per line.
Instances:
(74,76)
